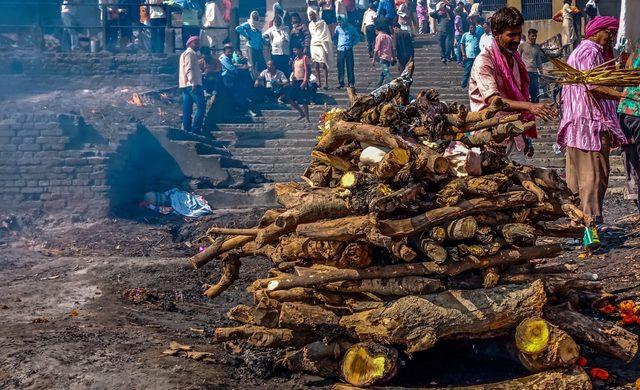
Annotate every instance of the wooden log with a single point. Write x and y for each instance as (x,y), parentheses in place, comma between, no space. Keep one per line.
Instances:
(317,358)
(317,175)
(367,364)
(499,133)
(402,250)
(548,178)
(485,124)
(494,218)
(490,277)
(355,255)
(291,248)
(408,285)
(438,234)
(432,250)
(427,160)
(404,199)
(522,176)
(420,321)
(518,233)
(391,163)
(572,211)
(306,316)
(382,94)
(411,226)
(573,378)
(230,273)
(495,107)
(221,246)
(328,275)
(233,231)
(312,207)
(354,227)
(462,229)
(309,295)
(487,185)
(543,346)
(333,161)
(599,334)
(554,284)
(262,337)
(556,230)
(342,131)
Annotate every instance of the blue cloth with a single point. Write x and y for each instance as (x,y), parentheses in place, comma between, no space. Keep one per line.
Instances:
(479,30)
(228,69)
(471,44)
(468,65)
(346,38)
(188,204)
(389,7)
(254,37)
(189,96)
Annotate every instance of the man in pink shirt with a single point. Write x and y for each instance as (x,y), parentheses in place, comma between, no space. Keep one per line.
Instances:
(590,128)
(383,51)
(498,72)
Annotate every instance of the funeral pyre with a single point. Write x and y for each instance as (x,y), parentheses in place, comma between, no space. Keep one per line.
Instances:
(411,226)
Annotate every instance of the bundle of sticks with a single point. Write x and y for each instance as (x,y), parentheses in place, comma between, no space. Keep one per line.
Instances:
(607,74)
(383,249)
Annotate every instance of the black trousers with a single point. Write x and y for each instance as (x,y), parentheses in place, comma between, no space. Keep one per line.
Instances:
(630,125)
(445,48)
(345,58)
(371,38)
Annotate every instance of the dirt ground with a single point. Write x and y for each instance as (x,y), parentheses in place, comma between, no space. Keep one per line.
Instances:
(66,322)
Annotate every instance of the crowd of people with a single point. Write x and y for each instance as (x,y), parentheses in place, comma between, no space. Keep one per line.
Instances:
(300,56)
(131,25)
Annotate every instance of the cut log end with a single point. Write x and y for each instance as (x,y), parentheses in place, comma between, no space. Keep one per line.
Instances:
(532,335)
(544,346)
(367,364)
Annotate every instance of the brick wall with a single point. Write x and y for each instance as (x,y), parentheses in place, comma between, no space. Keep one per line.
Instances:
(46,165)
(92,70)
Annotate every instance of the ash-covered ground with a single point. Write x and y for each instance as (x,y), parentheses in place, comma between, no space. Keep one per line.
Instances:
(68,318)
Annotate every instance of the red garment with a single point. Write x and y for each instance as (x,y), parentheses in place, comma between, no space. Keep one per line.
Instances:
(512,91)
(349,5)
(227,10)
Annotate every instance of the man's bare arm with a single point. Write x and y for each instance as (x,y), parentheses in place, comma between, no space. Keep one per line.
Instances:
(541,110)
(602,92)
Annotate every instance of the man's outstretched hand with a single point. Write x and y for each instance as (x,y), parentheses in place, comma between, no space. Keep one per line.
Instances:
(543,110)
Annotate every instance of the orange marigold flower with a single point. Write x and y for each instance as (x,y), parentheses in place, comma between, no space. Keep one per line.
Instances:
(599,373)
(627,306)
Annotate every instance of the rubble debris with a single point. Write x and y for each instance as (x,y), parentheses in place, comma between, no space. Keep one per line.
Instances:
(139,295)
(380,256)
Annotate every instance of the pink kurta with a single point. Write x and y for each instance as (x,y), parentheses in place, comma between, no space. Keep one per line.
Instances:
(483,83)
(584,117)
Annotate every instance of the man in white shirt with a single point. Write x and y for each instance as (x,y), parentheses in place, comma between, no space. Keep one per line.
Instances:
(190,83)
(486,39)
(271,84)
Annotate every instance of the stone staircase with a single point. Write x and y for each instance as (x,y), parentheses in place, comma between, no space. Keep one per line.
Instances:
(275,147)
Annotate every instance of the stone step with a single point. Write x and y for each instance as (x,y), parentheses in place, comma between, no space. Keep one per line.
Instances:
(242,153)
(225,198)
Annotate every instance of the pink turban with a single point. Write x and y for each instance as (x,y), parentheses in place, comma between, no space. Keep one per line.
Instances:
(192,39)
(601,23)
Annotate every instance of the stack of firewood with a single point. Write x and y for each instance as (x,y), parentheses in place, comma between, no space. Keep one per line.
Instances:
(390,245)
